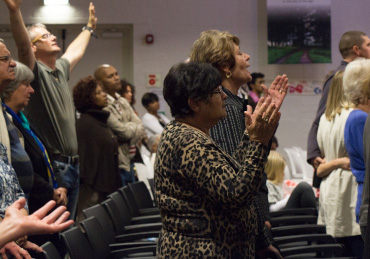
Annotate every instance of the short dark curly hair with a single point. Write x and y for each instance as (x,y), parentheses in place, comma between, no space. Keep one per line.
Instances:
(189,81)
(123,90)
(84,94)
(149,98)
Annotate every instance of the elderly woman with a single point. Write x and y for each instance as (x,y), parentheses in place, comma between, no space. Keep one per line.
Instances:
(356,85)
(15,97)
(97,145)
(153,121)
(205,195)
(221,50)
(338,187)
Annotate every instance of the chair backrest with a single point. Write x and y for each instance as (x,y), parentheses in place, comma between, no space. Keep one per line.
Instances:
(130,201)
(119,221)
(141,194)
(293,212)
(77,245)
(103,217)
(98,242)
(122,207)
(298,230)
(310,239)
(50,251)
(295,165)
(307,169)
(293,220)
(313,251)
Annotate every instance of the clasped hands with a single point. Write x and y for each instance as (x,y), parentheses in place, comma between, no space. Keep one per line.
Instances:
(262,122)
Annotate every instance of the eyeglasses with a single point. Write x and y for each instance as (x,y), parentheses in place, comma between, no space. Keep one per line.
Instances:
(218,91)
(7,58)
(43,36)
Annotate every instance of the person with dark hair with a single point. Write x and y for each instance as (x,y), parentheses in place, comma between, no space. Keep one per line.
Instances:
(352,44)
(97,145)
(122,121)
(221,49)
(274,143)
(153,121)
(255,88)
(205,196)
(127,91)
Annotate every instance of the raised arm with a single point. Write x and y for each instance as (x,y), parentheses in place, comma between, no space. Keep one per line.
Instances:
(20,35)
(325,169)
(77,48)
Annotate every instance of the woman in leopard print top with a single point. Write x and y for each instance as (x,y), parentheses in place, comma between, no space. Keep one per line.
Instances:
(204,195)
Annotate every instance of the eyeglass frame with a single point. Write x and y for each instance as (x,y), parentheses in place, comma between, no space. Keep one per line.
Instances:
(43,36)
(6,58)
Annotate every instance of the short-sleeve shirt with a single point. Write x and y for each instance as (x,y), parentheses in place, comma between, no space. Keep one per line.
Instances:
(51,110)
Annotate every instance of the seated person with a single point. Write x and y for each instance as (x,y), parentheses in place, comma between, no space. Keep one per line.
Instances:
(302,195)
(153,121)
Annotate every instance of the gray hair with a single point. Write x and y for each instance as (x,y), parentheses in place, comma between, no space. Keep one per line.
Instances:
(356,81)
(30,31)
(22,74)
(153,140)
(2,41)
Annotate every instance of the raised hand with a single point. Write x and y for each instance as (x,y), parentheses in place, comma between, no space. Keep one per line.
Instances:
(92,19)
(278,90)
(261,124)
(13,5)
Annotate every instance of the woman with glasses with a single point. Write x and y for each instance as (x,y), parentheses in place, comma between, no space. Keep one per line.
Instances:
(221,49)
(205,195)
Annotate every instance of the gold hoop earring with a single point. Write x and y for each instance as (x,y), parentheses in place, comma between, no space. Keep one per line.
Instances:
(228,74)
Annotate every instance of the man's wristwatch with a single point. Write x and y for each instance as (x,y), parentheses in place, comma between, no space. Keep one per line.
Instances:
(90,30)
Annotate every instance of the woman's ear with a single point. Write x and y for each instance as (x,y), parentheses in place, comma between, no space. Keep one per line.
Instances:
(225,70)
(194,105)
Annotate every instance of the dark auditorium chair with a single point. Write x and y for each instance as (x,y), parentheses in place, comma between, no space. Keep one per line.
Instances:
(293,220)
(50,252)
(76,243)
(105,220)
(132,205)
(125,214)
(141,195)
(100,244)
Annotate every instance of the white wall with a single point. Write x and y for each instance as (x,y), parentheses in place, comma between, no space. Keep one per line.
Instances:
(176,24)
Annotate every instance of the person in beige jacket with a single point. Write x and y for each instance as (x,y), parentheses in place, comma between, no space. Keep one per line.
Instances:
(122,121)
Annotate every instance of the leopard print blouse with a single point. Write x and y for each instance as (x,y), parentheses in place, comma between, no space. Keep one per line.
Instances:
(205,196)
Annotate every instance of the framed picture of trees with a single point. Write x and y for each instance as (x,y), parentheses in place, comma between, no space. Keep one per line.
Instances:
(299,31)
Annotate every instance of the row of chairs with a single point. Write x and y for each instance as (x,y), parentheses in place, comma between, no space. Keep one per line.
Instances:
(126,225)
(297,235)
